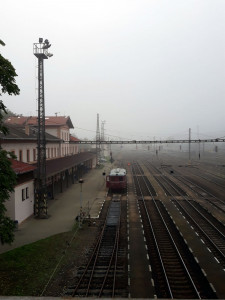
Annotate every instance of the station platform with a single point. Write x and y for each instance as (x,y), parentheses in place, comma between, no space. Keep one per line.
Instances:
(64,209)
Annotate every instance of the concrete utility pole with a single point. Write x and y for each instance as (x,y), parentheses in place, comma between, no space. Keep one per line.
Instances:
(189,146)
(98,139)
(40,50)
(103,137)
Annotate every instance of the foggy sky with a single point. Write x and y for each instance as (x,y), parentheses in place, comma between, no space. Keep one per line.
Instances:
(150,68)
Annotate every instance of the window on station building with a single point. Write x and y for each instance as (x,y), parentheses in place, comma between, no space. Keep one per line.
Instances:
(34,154)
(23,194)
(27,192)
(28,155)
(20,155)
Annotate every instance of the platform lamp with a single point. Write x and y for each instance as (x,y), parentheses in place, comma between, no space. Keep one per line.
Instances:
(40,50)
(81,181)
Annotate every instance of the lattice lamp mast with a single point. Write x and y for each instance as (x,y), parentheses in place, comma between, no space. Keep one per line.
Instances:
(40,50)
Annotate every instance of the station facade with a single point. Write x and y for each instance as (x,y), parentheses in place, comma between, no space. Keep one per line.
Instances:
(65,164)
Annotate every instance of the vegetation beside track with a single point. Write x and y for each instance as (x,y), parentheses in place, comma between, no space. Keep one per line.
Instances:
(25,271)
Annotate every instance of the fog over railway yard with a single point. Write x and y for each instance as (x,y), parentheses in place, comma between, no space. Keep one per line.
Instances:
(149,68)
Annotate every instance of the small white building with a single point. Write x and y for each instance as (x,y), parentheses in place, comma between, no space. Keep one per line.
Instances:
(20,206)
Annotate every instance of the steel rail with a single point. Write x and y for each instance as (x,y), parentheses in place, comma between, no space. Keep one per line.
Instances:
(201,230)
(94,255)
(114,253)
(156,244)
(199,187)
(211,180)
(115,269)
(174,243)
(90,260)
(196,224)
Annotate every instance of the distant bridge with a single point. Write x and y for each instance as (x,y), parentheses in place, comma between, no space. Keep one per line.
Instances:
(218,140)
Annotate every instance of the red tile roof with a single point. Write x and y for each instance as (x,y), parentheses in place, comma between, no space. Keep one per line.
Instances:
(73,139)
(21,167)
(49,121)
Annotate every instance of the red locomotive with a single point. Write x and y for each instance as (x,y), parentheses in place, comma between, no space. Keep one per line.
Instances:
(117,180)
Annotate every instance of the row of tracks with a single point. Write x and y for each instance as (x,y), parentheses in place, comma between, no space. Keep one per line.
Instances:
(175,271)
(104,275)
(210,230)
(196,188)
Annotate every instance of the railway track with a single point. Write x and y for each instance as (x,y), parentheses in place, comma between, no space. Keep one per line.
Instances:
(104,275)
(200,191)
(144,186)
(203,193)
(209,229)
(175,272)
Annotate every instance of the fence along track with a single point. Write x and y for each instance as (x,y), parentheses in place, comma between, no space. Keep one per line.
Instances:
(99,277)
(174,269)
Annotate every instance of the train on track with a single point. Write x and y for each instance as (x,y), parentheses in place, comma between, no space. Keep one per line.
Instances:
(116,181)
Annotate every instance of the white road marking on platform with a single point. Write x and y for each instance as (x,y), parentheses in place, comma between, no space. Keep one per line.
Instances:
(153,284)
(149,267)
(202,241)
(209,249)
(196,260)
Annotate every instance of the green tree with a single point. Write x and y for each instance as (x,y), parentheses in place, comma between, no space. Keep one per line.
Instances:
(7,175)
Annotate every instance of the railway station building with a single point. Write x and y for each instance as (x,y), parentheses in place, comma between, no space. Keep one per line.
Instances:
(65,164)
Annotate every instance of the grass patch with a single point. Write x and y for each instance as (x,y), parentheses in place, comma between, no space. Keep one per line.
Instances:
(25,271)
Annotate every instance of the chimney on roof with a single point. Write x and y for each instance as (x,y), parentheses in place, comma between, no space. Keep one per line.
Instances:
(27,129)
